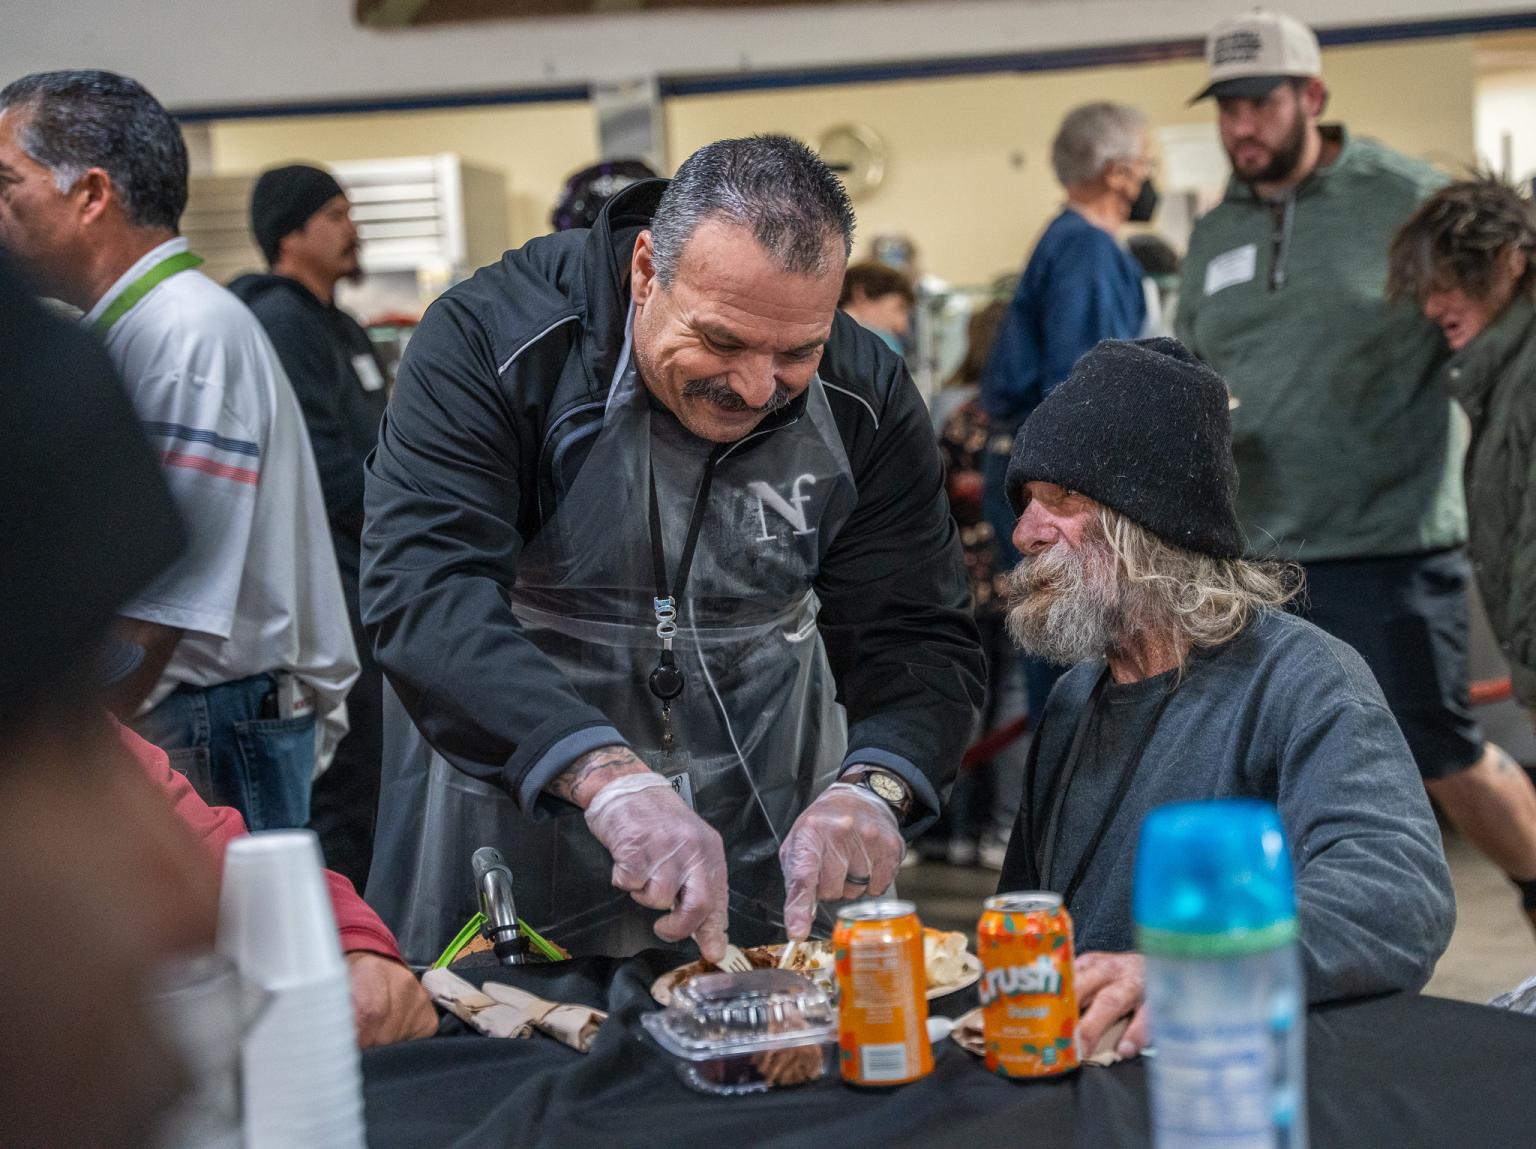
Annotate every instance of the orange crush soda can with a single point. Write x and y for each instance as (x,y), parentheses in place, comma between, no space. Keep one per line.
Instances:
(1028,997)
(882,994)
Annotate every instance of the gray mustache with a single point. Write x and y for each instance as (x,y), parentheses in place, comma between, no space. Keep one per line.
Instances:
(716,392)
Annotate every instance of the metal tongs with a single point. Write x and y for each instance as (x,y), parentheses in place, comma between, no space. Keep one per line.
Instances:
(493,879)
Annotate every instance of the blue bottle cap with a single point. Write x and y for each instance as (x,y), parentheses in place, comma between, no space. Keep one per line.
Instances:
(1213,879)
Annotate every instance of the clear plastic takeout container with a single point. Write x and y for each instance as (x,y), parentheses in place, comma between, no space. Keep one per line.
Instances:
(735,1033)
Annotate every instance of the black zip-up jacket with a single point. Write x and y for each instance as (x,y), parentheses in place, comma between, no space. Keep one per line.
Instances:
(318,345)
(497,399)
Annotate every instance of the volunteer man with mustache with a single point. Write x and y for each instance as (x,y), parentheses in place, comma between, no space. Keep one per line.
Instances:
(302,221)
(660,570)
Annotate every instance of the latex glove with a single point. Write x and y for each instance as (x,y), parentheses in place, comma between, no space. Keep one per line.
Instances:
(666,856)
(847,832)
(388,1001)
(1109,987)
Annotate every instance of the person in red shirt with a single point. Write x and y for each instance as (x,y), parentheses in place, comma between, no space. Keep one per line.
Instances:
(389,1002)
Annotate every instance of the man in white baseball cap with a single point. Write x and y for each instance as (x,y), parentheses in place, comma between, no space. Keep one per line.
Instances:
(1251,54)
(1267,80)
(1345,439)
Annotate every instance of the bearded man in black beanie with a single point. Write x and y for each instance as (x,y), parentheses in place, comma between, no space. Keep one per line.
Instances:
(302,222)
(1191,681)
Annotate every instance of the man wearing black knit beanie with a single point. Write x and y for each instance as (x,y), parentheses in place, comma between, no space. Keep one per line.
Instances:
(1191,681)
(302,222)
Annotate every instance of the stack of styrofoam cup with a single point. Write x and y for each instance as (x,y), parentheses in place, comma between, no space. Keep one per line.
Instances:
(198,1005)
(301,1081)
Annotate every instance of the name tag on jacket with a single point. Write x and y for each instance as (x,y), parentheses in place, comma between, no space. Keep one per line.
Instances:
(367,371)
(1231,268)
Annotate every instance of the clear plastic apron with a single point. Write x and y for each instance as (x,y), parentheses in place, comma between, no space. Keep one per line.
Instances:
(758,732)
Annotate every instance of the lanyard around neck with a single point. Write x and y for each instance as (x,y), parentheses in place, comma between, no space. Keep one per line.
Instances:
(666,680)
(142,286)
(1064,782)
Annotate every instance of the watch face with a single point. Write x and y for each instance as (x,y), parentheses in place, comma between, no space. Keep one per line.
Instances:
(888,788)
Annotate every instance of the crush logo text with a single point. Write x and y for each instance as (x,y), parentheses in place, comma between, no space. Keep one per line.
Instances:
(1040,976)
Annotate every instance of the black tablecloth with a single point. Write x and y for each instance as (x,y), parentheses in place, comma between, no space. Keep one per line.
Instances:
(1391,1072)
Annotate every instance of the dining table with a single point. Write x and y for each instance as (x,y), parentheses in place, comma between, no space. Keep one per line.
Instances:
(1389,1072)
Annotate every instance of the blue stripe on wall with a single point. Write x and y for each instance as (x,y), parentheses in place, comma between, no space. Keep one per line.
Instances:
(698,85)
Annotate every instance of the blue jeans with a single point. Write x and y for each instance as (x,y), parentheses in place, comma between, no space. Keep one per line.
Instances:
(234,754)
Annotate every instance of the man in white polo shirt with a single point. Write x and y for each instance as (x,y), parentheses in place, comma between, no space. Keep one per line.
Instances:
(246,640)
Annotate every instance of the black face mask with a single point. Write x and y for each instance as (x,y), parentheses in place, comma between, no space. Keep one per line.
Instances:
(1145,202)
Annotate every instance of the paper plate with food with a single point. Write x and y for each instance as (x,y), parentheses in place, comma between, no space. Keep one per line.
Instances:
(947,965)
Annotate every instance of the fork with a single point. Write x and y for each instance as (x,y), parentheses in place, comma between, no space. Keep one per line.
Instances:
(734,960)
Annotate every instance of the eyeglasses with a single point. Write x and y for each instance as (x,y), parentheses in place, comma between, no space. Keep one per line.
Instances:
(1150,165)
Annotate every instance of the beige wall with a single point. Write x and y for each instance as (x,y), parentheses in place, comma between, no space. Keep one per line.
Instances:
(953,182)
(535,146)
(1418,96)
(1505,106)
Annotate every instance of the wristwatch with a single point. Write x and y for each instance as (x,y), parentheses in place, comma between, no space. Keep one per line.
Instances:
(890,788)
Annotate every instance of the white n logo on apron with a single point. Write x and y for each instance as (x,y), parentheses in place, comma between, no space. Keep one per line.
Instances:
(791,510)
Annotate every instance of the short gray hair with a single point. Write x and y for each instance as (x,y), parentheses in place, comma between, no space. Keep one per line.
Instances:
(75,121)
(1094,136)
(792,202)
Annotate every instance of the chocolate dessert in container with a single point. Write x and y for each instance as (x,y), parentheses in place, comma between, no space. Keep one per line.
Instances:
(737,1033)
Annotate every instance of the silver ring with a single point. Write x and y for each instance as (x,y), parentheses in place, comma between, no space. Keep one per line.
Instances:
(852,881)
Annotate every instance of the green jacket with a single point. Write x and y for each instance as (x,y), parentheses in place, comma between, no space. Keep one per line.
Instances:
(1346,443)
(1494,379)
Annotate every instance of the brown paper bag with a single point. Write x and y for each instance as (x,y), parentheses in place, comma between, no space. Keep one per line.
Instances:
(498,1010)
(574,1025)
(967,1034)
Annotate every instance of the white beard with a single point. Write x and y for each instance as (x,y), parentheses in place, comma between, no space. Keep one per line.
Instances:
(1061,603)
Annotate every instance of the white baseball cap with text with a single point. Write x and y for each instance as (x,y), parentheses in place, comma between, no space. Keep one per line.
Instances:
(1249,54)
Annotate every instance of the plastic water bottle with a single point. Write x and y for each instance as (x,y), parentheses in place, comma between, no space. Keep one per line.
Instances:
(1215,909)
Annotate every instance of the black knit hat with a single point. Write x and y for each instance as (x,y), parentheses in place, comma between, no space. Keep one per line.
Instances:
(1142,428)
(283,200)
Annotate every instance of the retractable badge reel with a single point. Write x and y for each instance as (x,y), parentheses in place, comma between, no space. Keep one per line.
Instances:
(666,680)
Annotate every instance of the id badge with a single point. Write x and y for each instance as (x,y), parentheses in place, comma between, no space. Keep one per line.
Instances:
(674,768)
(366,368)
(682,786)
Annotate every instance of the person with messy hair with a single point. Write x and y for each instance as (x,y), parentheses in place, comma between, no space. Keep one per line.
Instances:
(1466,259)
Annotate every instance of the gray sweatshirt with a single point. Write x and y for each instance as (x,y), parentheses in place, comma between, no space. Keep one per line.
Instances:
(1285,713)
